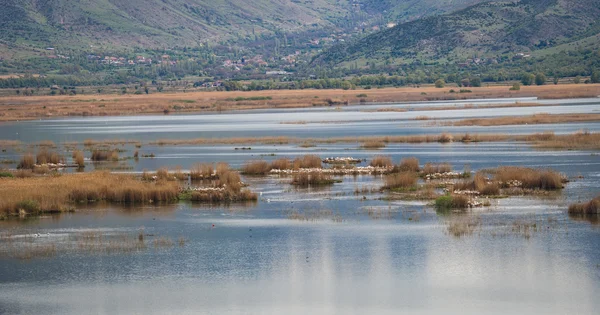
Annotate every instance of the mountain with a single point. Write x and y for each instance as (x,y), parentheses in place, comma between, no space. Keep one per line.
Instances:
(408,10)
(486,29)
(76,24)
(156,22)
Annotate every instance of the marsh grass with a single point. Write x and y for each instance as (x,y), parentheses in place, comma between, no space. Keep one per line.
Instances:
(410,164)
(382,161)
(480,184)
(78,158)
(451,201)
(431,168)
(45,156)
(591,207)
(105,155)
(282,164)
(373,145)
(463,226)
(259,167)
(529,178)
(27,162)
(202,171)
(61,193)
(542,118)
(400,181)
(308,179)
(307,161)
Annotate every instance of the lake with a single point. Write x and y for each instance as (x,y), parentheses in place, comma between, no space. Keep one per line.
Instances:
(324,250)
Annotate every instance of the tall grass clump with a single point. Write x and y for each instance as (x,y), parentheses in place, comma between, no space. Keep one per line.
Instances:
(449,202)
(27,162)
(104,155)
(59,193)
(227,188)
(530,178)
(400,181)
(281,164)
(78,158)
(591,207)
(45,156)
(381,161)
(256,168)
(480,184)
(202,171)
(410,164)
(373,145)
(431,168)
(308,161)
(307,179)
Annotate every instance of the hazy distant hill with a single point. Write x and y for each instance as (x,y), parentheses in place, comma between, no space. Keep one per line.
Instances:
(484,29)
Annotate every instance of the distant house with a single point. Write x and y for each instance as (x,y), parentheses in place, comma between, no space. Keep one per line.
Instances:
(50,48)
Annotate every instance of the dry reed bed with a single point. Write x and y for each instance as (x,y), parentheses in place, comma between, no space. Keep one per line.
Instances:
(589,208)
(35,107)
(260,167)
(458,107)
(36,195)
(522,120)
(578,140)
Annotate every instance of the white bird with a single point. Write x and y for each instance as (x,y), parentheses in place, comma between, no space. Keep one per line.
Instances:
(268,200)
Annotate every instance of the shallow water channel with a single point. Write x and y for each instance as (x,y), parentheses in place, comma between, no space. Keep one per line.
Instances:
(328,250)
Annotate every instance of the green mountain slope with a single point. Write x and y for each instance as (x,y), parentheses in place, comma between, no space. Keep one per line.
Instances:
(407,10)
(167,23)
(487,29)
(156,22)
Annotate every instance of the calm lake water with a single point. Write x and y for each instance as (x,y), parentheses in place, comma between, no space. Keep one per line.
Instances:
(354,254)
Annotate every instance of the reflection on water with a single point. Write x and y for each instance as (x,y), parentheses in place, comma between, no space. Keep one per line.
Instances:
(255,265)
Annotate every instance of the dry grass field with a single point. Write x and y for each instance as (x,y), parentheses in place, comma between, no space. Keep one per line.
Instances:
(17,107)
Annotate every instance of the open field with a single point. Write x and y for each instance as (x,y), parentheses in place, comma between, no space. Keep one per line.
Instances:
(35,107)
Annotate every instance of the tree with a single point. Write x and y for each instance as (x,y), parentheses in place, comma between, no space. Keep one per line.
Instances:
(595,78)
(476,82)
(440,83)
(527,78)
(577,80)
(540,79)
(555,80)
(516,87)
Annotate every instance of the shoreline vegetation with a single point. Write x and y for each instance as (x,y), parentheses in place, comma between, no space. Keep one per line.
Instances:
(541,118)
(26,192)
(39,107)
(583,140)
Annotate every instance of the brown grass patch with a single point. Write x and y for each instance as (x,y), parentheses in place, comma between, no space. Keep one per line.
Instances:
(591,207)
(27,162)
(529,178)
(103,155)
(373,145)
(382,161)
(58,193)
(78,158)
(308,161)
(256,168)
(410,164)
(404,180)
(522,120)
(307,179)
(282,164)
(202,171)
(431,168)
(481,184)
(42,106)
